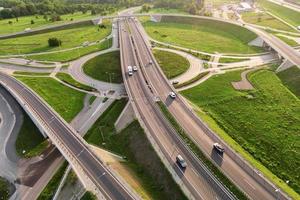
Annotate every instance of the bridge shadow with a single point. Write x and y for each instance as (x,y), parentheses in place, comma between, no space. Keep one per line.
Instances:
(217,157)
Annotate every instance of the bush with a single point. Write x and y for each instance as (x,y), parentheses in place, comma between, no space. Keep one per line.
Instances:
(32,22)
(54,42)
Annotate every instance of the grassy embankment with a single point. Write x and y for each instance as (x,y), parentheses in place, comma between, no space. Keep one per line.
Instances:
(262,124)
(71,81)
(30,140)
(31,73)
(288,15)
(39,21)
(4,189)
(172,64)
(64,100)
(72,54)
(202,34)
(264,19)
(105,67)
(231,60)
(154,181)
(291,79)
(39,42)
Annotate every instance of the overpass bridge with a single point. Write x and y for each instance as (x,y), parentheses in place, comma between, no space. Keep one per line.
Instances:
(92,172)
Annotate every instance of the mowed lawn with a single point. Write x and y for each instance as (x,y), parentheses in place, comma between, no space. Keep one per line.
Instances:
(72,54)
(264,19)
(291,79)
(289,15)
(105,67)
(265,121)
(39,43)
(172,64)
(25,22)
(202,34)
(65,101)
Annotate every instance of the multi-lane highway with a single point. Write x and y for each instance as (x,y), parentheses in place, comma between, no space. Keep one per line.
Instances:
(196,178)
(106,182)
(197,130)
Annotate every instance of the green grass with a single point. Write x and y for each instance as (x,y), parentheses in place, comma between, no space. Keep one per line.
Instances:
(193,80)
(141,158)
(92,99)
(30,139)
(289,41)
(288,15)
(50,189)
(72,54)
(64,100)
(264,19)
(231,60)
(212,167)
(39,43)
(88,196)
(103,66)
(25,22)
(31,73)
(291,79)
(202,34)
(71,81)
(4,189)
(166,11)
(266,126)
(172,64)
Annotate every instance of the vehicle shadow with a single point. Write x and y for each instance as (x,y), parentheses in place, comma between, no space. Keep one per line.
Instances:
(168,101)
(217,157)
(179,170)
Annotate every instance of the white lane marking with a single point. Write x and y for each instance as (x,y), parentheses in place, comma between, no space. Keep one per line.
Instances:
(249,184)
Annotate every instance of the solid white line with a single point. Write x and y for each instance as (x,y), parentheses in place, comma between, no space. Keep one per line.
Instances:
(249,184)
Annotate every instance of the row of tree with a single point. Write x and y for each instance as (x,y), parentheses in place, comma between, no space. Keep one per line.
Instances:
(17,8)
(190,6)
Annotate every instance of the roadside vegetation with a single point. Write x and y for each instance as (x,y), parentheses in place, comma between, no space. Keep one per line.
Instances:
(30,142)
(264,19)
(172,64)
(71,81)
(289,41)
(231,60)
(88,196)
(65,101)
(4,189)
(154,181)
(31,73)
(191,81)
(105,67)
(50,189)
(39,42)
(73,54)
(262,121)
(291,79)
(202,34)
(290,16)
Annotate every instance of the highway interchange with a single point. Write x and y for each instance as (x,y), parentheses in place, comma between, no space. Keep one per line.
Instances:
(144,89)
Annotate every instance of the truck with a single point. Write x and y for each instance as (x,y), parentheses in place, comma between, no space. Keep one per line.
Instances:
(130,72)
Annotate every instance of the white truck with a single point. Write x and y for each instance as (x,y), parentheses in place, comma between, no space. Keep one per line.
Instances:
(130,72)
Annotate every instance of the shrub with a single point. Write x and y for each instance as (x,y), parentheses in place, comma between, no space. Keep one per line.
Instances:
(32,21)
(54,42)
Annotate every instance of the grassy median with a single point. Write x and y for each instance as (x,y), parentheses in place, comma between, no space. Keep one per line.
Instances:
(71,81)
(172,64)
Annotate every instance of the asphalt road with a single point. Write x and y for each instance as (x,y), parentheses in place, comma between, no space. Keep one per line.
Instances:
(196,178)
(195,128)
(106,182)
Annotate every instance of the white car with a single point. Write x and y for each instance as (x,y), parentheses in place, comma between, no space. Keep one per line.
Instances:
(135,68)
(172,95)
(181,162)
(150,62)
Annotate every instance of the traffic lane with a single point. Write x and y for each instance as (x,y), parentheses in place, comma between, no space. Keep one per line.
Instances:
(156,128)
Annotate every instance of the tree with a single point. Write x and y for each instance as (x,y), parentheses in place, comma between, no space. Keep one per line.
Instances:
(54,42)
(32,21)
